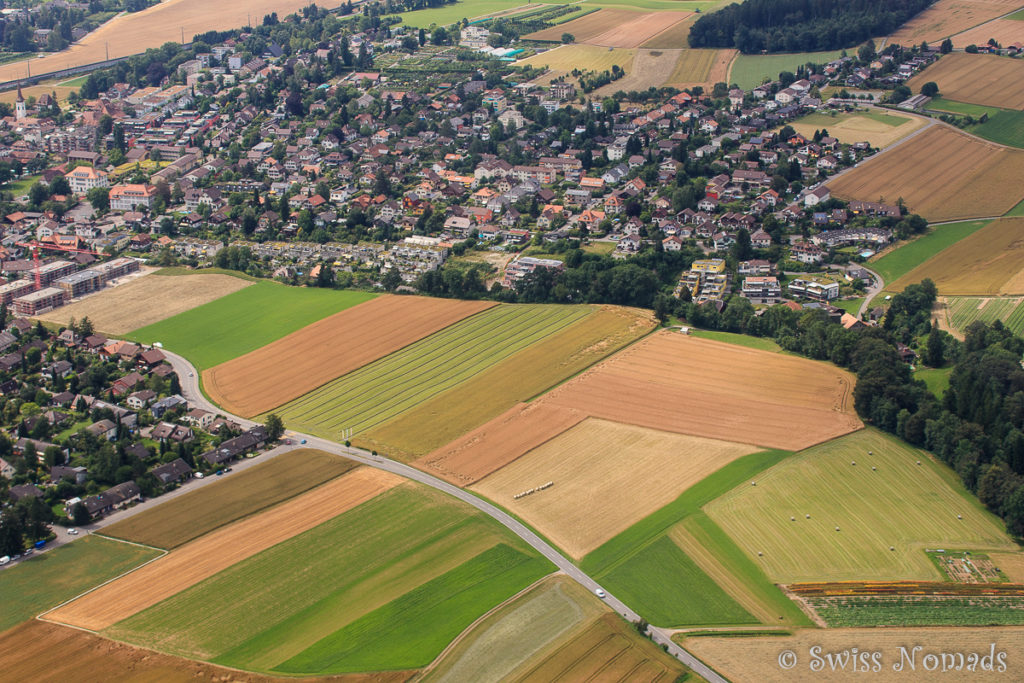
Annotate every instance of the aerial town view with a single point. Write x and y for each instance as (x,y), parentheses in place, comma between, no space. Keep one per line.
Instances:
(469,341)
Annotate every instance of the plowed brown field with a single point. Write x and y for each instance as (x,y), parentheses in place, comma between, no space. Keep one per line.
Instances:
(145,300)
(980,79)
(45,653)
(304,360)
(220,549)
(597,468)
(1004,31)
(948,17)
(639,30)
(676,384)
(941,174)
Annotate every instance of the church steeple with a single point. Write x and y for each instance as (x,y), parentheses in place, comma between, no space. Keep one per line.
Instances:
(20,111)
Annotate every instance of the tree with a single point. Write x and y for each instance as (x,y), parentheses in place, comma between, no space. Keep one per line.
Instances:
(935,349)
(11,542)
(38,193)
(60,186)
(274,426)
(392,279)
(99,198)
(866,52)
(946,47)
(79,515)
(568,38)
(85,327)
(930,89)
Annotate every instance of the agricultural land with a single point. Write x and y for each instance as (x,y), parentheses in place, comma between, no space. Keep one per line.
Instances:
(244,321)
(520,377)
(979,79)
(858,507)
(596,467)
(314,355)
(144,301)
(673,383)
(385,388)
(386,585)
(220,549)
(131,33)
(563,59)
(750,659)
(876,128)
(590,26)
(199,512)
(962,311)
(941,174)
(27,654)
(985,263)
(895,263)
(749,71)
(949,17)
(60,574)
(450,14)
(1004,31)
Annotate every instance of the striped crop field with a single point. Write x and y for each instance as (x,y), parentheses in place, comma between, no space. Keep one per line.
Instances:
(385,388)
(965,310)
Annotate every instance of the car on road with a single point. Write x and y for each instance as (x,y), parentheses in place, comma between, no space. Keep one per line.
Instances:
(600,593)
(303,441)
(199,475)
(73,532)
(287,442)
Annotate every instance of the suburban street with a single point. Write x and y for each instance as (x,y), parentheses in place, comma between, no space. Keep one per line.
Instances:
(189,380)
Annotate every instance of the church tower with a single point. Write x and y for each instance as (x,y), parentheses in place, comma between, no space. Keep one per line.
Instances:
(19,107)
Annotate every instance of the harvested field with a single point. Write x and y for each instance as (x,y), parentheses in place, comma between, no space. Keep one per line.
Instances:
(1010,564)
(649,70)
(385,388)
(586,27)
(757,659)
(586,57)
(520,377)
(27,654)
(1004,31)
(990,261)
(132,33)
(948,17)
(518,634)
(701,67)
(386,583)
(304,360)
(674,383)
(597,467)
(607,650)
(145,300)
(886,500)
(632,33)
(979,79)
(188,517)
(221,549)
(674,37)
(941,174)
(876,128)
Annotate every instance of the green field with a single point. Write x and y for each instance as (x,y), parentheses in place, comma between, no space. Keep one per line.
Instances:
(901,504)
(53,577)
(937,379)
(760,343)
(895,264)
(851,306)
(229,499)
(674,590)
(1005,127)
(385,388)
(965,310)
(20,187)
(449,14)
(387,584)
(244,321)
(624,563)
(1016,211)
(1018,15)
(749,71)
(965,108)
(920,611)
(658,5)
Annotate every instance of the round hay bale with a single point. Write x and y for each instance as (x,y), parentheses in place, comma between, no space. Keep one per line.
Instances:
(874,469)
(959,516)
(837,528)
(808,516)
(853,462)
(792,519)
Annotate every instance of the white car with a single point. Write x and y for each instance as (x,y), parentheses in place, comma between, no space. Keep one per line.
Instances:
(73,532)
(600,593)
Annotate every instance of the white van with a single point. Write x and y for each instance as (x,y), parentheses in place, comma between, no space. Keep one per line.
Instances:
(5,559)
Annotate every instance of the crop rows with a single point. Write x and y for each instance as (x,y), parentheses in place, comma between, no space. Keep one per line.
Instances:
(919,611)
(383,389)
(965,310)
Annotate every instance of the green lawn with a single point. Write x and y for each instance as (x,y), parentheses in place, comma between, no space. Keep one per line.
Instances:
(889,501)
(599,248)
(937,379)
(849,305)
(244,321)
(1005,127)
(760,343)
(749,71)
(53,577)
(74,82)
(326,600)
(623,562)
(900,261)
(385,388)
(673,590)
(964,108)
(20,187)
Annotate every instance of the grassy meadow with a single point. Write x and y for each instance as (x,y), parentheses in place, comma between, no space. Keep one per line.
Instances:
(749,71)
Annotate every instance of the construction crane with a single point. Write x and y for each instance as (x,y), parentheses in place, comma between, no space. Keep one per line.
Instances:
(35,247)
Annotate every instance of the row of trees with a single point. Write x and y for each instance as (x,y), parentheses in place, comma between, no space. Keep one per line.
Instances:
(758,26)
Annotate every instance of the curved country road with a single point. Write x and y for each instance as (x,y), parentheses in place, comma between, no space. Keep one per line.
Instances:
(191,391)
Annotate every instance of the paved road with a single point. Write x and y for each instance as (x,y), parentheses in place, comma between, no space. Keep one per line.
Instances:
(190,390)
(872,291)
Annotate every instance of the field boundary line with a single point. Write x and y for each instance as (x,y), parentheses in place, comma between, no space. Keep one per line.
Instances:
(465,632)
(42,616)
(125,540)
